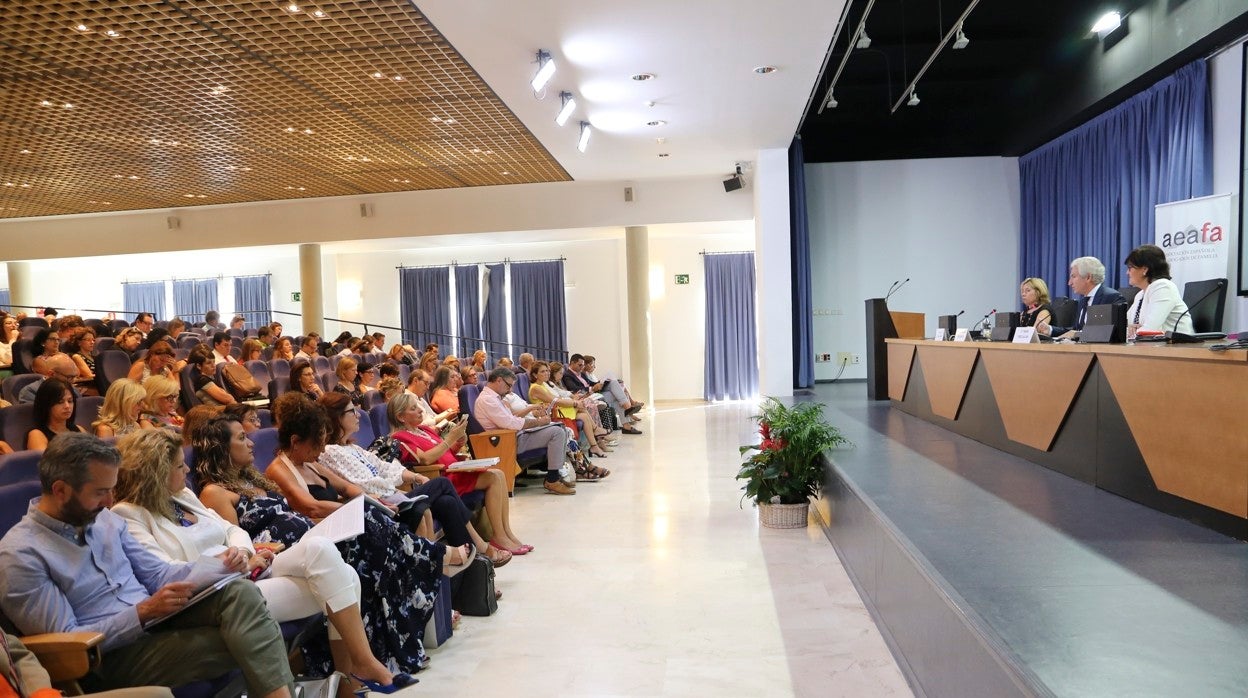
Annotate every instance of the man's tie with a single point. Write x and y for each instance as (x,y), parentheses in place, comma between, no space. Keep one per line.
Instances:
(1083,312)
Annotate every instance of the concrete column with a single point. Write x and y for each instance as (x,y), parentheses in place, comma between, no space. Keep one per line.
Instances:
(637,262)
(312,298)
(21,287)
(773,273)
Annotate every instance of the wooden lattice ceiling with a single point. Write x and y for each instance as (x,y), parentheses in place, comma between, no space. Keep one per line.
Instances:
(179,103)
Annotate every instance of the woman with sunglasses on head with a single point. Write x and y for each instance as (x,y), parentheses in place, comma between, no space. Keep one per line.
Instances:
(167,519)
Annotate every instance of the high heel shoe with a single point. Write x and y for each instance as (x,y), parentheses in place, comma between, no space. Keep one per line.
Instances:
(397,682)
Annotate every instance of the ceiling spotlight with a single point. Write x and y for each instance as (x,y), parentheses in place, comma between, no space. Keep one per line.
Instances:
(398,78)
(961,42)
(82,28)
(765,69)
(319,14)
(292,8)
(642,77)
(914,99)
(1107,24)
(569,105)
(583,143)
(832,103)
(219,90)
(864,41)
(379,75)
(113,33)
(545,71)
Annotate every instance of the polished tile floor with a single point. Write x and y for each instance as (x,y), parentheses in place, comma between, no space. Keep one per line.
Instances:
(656,583)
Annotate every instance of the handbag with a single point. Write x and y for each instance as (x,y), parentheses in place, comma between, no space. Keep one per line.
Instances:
(239,380)
(472,591)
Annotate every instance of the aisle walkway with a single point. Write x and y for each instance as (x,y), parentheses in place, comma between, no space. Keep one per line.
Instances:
(656,583)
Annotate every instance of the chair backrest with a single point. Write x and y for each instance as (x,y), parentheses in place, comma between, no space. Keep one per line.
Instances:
(260,371)
(188,341)
(321,365)
(279,367)
(88,411)
(29,331)
(187,396)
(102,329)
(23,356)
(405,373)
(112,364)
(14,384)
(14,501)
(119,325)
(20,466)
(104,344)
(372,398)
(328,380)
(468,405)
(265,441)
(367,433)
(32,320)
(279,386)
(521,386)
(1065,311)
(235,332)
(15,422)
(1128,293)
(266,418)
(377,417)
(1206,317)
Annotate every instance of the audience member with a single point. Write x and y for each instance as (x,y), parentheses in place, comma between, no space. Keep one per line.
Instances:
(160,409)
(81,348)
(418,385)
(252,350)
(22,676)
(46,345)
(9,333)
(123,404)
(246,414)
(265,336)
(238,322)
(444,393)
(56,406)
(212,322)
(203,371)
(303,380)
(61,367)
(176,327)
(533,432)
(282,350)
(221,349)
(159,361)
(307,350)
(526,361)
(70,564)
(347,372)
(128,340)
(144,322)
(567,407)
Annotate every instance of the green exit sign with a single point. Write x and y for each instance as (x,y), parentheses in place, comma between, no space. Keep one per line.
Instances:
(295,296)
(682,279)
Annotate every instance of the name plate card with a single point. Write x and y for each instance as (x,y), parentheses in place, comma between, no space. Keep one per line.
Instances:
(962,334)
(1025,335)
(942,335)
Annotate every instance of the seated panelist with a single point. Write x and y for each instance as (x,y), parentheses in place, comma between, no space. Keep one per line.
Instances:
(1035,296)
(1159,304)
(1087,275)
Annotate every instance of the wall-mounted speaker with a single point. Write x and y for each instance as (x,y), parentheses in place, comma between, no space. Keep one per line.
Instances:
(366,210)
(734,183)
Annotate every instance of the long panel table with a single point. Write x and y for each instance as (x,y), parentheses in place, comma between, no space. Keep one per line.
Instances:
(1166,426)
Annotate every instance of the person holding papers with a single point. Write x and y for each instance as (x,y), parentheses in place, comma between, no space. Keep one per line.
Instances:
(309,578)
(378,478)
(399,572)
(1086,277)
(71,565)
(1158,305)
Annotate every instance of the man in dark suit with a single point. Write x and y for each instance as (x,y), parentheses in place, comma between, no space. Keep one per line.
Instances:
(1086,277)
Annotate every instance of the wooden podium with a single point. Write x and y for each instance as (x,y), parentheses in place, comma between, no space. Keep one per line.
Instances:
(884,324)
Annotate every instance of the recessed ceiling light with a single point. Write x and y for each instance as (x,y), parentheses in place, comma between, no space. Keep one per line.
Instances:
(660,140)
(307,131)
(366,159)
(642,77)
(132,177)
(24,151)
(113,33)
(25,186)
(448,121)
(765,69)
(219,90)
(9,184)
(488,152)
(397,78)
(475,150)
(319,14)
(435,119)
(290,129)
(649,103)
(379,75)
(293,9)
(82,29)
(46,103)
(189,196)
(67,105)
(505,172)
(656,122)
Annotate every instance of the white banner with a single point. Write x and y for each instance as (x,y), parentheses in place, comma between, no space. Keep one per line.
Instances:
(1196,237)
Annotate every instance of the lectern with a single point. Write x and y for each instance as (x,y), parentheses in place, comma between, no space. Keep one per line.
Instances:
(883,324)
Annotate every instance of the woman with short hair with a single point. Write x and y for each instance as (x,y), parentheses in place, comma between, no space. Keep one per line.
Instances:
(252,350)
(45,345)
(1036,303)
(161,407)
(159,361)
(347,371)
(1159,305)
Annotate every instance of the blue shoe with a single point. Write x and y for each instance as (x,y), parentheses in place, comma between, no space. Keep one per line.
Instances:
(397,682)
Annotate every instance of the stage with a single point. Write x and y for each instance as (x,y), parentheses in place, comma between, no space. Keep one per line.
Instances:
(992,576)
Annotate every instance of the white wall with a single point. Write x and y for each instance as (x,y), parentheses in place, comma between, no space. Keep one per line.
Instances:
(950,225)
(1227,87)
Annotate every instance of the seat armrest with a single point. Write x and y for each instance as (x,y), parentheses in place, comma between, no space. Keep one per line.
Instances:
(500,443)
(66,656)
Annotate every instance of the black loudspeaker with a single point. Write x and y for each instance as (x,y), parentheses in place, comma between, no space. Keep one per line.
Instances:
(1105,324)
(733,183)
(948,323)
(1003,326)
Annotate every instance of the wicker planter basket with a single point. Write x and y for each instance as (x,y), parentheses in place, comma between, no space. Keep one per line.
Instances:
(783,515)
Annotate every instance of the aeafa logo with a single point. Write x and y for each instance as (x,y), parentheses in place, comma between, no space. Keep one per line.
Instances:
(1207,234)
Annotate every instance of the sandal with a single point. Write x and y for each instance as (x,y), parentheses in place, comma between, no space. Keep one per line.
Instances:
(585,473)
(599,453)
(514,551)
(498,556)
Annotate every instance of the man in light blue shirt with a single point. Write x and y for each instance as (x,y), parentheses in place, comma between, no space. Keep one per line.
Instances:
(70,564)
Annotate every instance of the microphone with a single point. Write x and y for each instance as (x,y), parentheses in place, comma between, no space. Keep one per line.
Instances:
(984,319)
(1177,337)
(891,292)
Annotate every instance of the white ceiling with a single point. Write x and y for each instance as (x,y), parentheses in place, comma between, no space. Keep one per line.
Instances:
(703,52)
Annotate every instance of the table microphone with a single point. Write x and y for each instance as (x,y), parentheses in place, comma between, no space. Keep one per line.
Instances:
(892,291)
(984,319)
(1176,337)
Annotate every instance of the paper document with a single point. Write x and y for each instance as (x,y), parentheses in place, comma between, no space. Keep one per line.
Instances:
(470,465)
(208,575)
(345,523)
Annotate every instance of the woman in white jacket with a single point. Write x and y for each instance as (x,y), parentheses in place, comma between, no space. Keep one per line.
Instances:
(310,578)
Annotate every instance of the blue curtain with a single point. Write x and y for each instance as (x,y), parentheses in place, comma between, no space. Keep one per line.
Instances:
(731,349)
(1091,192)
(253,299)
(5,300)
(799,260)
(148,297)
(538,317)
(494,320)
(425,306)
(468,308)
(192,298)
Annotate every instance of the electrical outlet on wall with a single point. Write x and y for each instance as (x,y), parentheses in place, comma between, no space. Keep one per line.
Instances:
(857,358)
(844,357)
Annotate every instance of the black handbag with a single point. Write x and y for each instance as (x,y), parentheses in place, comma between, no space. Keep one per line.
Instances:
(472,591)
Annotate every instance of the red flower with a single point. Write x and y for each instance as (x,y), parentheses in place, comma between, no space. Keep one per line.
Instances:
(764,430)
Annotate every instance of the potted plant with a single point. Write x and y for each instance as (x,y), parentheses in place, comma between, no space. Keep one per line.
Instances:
(783,471)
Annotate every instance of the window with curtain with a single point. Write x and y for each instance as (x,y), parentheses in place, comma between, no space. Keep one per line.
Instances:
(5,300)
(799,254)
(194,297)
(731,348)
(1091,192)
(468,310)
(253,299)
(425,306)
(494,314)
(144,297)
(538,317)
